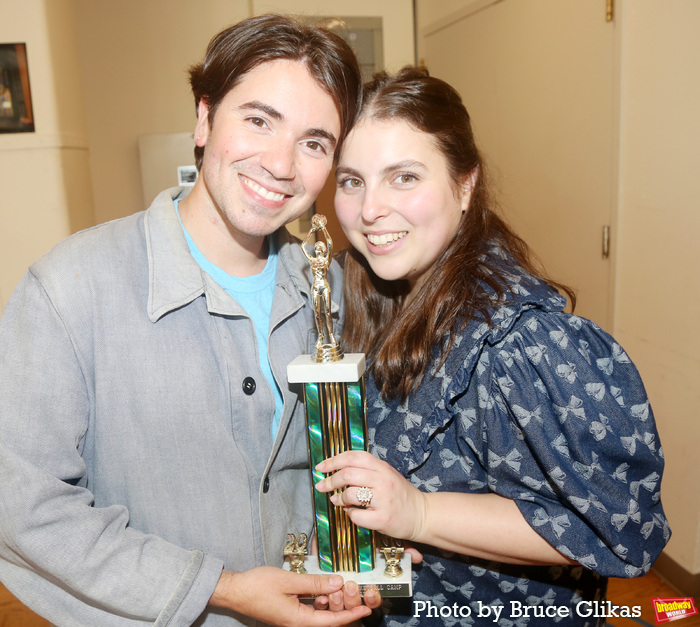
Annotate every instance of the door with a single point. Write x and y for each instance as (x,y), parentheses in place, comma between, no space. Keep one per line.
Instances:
(538,79)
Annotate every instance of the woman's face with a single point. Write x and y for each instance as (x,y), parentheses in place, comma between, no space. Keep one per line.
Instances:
(396,200)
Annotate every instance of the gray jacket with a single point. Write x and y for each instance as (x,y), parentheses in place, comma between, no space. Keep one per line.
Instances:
(134,461)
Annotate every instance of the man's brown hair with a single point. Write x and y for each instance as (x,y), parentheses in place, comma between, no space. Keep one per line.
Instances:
(239,48)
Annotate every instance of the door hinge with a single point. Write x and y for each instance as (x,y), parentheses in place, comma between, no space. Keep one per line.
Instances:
(606,241)
(609,10)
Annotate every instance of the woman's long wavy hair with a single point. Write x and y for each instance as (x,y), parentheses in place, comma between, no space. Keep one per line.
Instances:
(399,335)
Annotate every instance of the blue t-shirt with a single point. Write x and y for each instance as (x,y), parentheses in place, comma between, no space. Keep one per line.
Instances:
(253,293)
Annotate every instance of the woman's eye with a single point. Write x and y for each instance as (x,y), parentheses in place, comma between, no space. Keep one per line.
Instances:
(407,178)
(350,183)
(257,122)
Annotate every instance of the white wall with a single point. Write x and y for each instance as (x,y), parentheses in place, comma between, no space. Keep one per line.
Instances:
(134,56)
(397,21)
(658,286)
(44,176)
(429,12)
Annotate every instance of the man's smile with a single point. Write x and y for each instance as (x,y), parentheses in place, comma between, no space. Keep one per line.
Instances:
(262,191)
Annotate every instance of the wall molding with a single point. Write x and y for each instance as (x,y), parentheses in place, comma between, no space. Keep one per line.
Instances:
(455,16)
(42,141)
(687,583)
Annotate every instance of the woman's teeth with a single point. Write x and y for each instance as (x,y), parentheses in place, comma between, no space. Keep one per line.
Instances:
(385,238)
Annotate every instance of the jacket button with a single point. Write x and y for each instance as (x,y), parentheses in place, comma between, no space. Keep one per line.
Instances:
(266,485)
(249,385)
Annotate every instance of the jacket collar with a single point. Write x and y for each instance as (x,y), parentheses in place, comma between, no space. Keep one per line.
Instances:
(175,278)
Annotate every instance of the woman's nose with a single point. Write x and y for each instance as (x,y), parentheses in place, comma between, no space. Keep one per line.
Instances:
(374,205)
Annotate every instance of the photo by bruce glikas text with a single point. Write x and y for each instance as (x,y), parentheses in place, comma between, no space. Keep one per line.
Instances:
(516,609)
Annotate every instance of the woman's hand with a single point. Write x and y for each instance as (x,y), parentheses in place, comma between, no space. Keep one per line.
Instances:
(396,508)
(485,525)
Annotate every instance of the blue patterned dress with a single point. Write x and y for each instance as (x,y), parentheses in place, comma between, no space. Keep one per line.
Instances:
(544,408)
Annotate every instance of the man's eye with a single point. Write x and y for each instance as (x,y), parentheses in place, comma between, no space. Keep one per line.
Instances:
(315,146)
(257,122)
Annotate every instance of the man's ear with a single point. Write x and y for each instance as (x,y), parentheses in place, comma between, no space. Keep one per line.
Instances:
(468,187)
(202,129)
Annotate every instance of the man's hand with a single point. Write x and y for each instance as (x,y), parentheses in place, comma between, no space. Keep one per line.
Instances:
(348,598)
(272,595)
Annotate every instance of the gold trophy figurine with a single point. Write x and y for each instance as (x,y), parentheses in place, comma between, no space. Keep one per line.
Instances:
(336,416)
(321,291)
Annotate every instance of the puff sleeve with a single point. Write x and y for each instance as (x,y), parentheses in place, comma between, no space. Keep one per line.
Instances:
(567,432)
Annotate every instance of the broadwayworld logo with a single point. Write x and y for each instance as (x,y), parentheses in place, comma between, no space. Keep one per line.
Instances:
(673,608)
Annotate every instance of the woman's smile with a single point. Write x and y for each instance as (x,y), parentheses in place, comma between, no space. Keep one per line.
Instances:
(397,202)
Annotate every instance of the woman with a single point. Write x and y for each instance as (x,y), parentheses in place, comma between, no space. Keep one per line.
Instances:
(512,443)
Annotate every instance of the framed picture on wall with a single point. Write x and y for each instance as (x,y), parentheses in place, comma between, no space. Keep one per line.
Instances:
(186,175)
(15,96)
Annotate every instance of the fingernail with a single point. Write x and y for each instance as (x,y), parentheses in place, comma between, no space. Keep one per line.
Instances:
(335,581)
(351,588)
(321,484)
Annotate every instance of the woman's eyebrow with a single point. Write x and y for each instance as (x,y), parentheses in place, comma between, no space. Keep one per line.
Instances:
(408,164)
(343,170)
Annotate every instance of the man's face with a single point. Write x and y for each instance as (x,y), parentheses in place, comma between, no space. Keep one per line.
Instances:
(270,148)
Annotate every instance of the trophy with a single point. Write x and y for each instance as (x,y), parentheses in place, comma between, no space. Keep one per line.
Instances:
(336,416)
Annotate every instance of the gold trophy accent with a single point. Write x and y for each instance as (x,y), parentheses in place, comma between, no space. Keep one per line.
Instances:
(393,555)
(321,291)
(295,549)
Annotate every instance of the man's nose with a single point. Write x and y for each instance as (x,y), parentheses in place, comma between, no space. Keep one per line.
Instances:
(279,159)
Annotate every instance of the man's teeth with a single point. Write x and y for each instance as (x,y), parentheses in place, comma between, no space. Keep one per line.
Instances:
(261,191)
(386,238)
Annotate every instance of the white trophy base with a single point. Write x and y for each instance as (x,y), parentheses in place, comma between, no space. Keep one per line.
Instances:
(399,586)
(303,369)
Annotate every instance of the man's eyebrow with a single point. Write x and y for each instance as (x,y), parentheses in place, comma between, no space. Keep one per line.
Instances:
(257,105)
(323,134)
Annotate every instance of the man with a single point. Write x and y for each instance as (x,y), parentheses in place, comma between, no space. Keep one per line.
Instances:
(152,455)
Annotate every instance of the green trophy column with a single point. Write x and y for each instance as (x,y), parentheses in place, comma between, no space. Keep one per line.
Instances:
(337,422)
